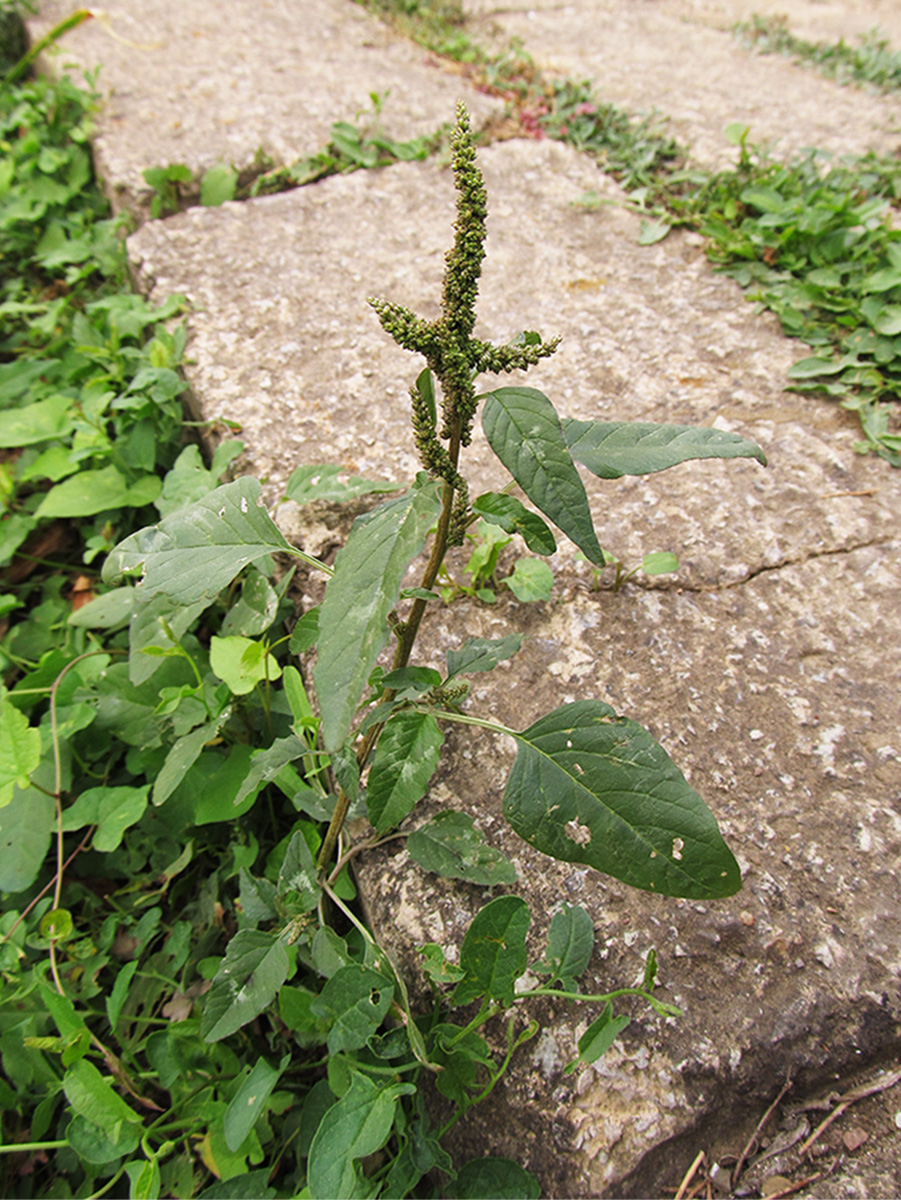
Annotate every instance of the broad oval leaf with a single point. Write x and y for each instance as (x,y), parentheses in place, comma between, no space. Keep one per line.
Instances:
(355,1001)
(249,1102)
(570,942)
(324,481)
(450,845)
(590,787)
(254,968)
(354,1127)
(610,449)
(513,517)
(481,654)
(353,619)
(405,760)
(500,1178)
(194,553)
(524,431)
(493,953)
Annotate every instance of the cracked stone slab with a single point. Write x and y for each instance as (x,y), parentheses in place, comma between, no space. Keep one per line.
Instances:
(779,701)
(203,83)
(283,342)
(656,55)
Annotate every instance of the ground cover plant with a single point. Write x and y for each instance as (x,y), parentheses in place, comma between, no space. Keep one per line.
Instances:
(871,63)
(188,992)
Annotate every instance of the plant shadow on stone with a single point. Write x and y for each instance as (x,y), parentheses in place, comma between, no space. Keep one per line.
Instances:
(587,786)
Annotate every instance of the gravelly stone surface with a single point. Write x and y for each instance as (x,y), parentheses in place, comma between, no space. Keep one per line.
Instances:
(768,667)
(656,54)
(204,83)
(285,343)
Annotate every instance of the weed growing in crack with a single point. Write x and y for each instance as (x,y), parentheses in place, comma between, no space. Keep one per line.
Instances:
(186,984)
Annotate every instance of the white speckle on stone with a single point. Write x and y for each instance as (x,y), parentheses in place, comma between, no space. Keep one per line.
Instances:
(546,1055)
(755,735)
(825,747)
(630,938)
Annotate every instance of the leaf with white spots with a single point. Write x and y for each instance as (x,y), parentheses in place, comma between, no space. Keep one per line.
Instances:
(198,550)
(254,968)
(250,1100)
(590,787)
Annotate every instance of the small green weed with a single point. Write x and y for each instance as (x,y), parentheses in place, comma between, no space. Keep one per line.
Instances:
(353,147)
(872,62)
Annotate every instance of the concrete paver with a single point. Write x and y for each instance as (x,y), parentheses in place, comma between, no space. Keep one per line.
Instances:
(650,56)
(203,84)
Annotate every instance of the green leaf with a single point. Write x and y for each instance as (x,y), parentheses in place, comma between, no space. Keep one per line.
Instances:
(215,788)
(194,553)
(242,663)
(651,232)
(119,994)
(436,966)
(92,1097)
(353,619)
(181,757)
(298,873)
(111,809)
(810,368)
(481,654)
(157,623)
(40,422)
(524,431)
(570,942)
(610,449)
(405,760)
(599,1036)
(513,516)
(659,562)
(239,1187)
(254,968)
(108,611)
(268,763)
(450,845)
(305,633)
(493,953)
(217,186)
(425,385)
(256,897)
(96,1146)
(20,749)
(255,609)
(324,481)
(144,1177)
(249,1102)
(590,787)
(91,492)
(500,1178)
(530,580)
(888,320)
(357,1125)
(411,681)
(355,1000)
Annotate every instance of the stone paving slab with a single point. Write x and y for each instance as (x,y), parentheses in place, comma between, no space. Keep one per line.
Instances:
(779,701)
(207,83)
(813,20)
(644,56)
(284,342)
